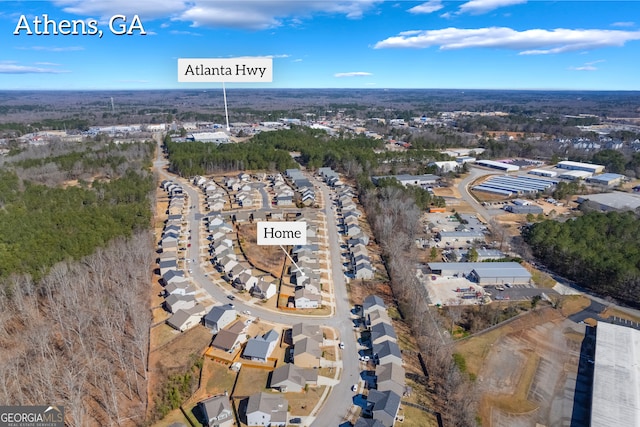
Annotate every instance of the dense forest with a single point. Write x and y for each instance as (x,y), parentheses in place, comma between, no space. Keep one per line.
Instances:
(599,251)
(41,225)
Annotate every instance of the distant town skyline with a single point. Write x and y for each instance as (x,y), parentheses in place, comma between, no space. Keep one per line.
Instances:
(476,44)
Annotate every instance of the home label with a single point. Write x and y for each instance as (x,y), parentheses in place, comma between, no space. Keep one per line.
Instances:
(282,233)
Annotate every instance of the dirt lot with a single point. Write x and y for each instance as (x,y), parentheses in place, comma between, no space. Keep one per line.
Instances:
(523,368)
(267,258)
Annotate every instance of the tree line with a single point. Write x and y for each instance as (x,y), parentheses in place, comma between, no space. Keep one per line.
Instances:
(597,250)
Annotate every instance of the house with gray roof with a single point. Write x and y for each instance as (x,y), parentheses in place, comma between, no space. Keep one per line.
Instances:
(291,378)
(245,281)
(381,332)
(172,276)
(175,302)
(259,348)
(263,289)
(373,301)
(305,330)
(187,318)
(390,376)
(217,411)
(219,317)
(168,265)
(368,422)
(307,353)
(306,299)
(264,409)
(180,288)
(387,352)
(383,406)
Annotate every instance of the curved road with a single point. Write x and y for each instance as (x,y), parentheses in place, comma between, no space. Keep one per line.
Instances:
(339,402)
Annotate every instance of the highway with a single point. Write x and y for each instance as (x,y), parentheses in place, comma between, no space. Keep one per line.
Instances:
(339,401)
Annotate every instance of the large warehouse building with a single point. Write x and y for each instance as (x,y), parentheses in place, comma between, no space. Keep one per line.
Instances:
(616,377)
(485,273)
(578,166)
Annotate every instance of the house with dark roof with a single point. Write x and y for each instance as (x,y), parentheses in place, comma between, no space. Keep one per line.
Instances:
(175,302)
(263,289)
(387,352)
(371,302)
(228,339)
(381,332)
(368,422)
(383,406)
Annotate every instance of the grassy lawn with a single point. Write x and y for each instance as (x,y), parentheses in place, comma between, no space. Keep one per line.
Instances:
(175,416)
(162,334)
(217,378)
(250,381)
(572,304)
(414,417)
(303,403)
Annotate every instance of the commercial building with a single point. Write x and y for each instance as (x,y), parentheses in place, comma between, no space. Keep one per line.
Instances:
(543,172)
(418,180)
(484,273)
(616,377)
(574,175)
(515,185)
(579,166)
(608,179)
(614,201)
(498,165)
(214,137)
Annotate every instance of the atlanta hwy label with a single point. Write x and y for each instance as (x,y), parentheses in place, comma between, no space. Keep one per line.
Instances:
(225,70)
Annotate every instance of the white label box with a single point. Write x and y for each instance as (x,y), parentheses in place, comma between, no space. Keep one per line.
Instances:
(282,233)
(225,70)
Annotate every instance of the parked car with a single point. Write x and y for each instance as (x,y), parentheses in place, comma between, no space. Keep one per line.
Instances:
(500,287)
(354,387)
(231,297)
(341,345)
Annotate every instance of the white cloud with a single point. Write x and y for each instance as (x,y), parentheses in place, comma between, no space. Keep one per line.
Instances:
(478,7)
(184,33)
(51,48)
(13,68)
(428,7)
(297,60)
(588,66)
(48,64)
(624,24)
(353,74)
(283,55)
(249,14)
(528,42)
(149,9)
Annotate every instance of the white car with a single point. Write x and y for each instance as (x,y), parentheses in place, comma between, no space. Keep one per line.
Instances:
(341,345)
(354,387)
(247,312)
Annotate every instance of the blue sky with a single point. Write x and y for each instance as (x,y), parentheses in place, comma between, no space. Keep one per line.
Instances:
(476,44)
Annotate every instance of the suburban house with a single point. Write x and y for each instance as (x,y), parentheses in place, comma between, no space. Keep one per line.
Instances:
(259,348)
(174,302)
(291,378)
(301,330)
(263,289)
(372,302)
(382,331)
(306,299)
(173,276)
(184,319)
(368,422)
(265,409)
(219,317)
(228,339)
(180,288)
(375,316)
(390,376)
(245,281)
(168,265)
(383,406)
(387,352)
(307,353)
(363,270)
